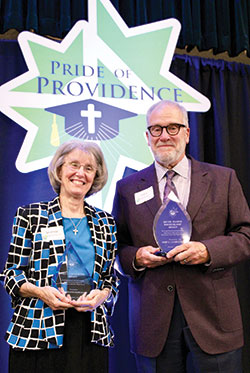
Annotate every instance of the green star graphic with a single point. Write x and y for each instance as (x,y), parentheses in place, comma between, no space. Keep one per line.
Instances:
(105,61)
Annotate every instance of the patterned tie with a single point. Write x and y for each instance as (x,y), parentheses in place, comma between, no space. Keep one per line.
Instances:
(169,186)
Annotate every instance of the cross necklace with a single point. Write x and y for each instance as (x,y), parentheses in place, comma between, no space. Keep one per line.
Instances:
(76,230)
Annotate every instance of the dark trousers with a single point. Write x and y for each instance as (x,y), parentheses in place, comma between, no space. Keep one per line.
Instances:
(179,346)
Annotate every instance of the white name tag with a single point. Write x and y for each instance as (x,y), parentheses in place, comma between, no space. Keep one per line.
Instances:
(52,233)
(144,195)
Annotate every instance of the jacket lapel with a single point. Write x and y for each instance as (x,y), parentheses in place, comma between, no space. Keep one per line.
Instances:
(147,180)
(93,223)
(57,247)
(54,213)
(200,183)
(97,238)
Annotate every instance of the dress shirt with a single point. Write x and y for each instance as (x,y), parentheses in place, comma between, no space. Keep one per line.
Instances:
(181,180)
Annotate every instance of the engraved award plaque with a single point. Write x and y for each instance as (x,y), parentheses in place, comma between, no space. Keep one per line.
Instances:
(172,225)
(72,277)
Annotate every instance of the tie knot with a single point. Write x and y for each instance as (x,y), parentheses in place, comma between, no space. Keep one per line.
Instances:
(170,174)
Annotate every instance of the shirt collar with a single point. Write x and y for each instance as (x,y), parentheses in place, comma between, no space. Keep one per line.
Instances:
(181,169)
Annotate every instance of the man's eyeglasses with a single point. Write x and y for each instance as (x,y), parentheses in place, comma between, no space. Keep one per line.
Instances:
(172,129)
(75,166)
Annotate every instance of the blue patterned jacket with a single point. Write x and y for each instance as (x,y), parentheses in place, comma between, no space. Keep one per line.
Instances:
(34,325)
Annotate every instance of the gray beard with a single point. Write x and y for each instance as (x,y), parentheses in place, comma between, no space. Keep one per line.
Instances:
(168,160)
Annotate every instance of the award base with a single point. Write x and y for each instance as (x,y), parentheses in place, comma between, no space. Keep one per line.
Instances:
(75,286)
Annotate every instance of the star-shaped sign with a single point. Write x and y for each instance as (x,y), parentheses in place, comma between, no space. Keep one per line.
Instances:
(96,84)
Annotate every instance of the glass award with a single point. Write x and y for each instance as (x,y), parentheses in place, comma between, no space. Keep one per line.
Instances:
(71,274)
(172,224)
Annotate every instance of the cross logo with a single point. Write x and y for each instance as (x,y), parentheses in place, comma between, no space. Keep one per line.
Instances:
(74,90)
(91,114)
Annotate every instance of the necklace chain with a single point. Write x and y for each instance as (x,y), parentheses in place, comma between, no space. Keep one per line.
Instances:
(76,225)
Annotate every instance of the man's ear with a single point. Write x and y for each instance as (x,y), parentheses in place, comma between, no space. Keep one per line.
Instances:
(147,138)
(187,135)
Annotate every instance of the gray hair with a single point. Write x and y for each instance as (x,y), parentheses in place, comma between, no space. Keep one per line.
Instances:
(168,103)
(88,147)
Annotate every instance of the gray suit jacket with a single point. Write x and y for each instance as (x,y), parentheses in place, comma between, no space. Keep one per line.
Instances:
(221,220)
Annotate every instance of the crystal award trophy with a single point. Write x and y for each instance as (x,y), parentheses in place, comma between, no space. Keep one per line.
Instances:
(72,277)
(172,225)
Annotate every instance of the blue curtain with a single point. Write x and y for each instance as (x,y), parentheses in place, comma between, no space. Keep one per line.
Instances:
(222,136)
(221,25)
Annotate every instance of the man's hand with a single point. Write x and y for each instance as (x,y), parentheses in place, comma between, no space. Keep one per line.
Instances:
(190,253)
(145,257)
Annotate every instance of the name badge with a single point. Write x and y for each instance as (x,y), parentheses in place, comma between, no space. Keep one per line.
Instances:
(52,233)
(144,195)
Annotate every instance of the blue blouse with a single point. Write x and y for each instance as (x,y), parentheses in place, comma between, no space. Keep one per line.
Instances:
(81,241)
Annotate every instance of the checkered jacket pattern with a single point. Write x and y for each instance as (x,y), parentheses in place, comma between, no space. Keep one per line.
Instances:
(34,325)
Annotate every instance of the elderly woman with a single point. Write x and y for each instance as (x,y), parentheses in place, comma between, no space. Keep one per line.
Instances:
(50,331)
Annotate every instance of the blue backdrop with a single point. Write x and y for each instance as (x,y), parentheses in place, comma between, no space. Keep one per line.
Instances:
(222,136)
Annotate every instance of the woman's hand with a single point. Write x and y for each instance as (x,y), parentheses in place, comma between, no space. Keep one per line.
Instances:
(91,301)
(55,299)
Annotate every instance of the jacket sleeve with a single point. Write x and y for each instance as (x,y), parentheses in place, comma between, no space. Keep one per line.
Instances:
(232,247)
(16,267)
(109,277)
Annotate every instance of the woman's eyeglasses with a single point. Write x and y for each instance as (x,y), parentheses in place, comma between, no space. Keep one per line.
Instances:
(75,166)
